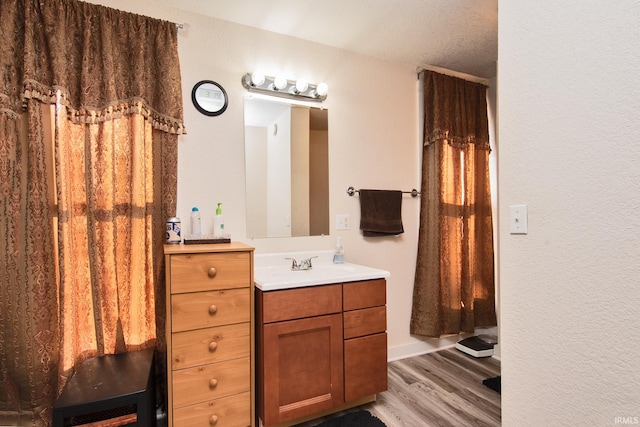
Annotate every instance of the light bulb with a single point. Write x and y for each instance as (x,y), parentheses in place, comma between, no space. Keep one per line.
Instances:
(279,82)
(301,85)
(322,89)
(257,79)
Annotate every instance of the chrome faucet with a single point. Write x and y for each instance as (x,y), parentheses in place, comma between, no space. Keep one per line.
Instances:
(304,264)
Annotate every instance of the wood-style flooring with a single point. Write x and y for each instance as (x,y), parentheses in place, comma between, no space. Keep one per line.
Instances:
(443,388)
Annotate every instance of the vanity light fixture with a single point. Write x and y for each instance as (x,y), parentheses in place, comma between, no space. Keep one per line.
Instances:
(322,89)
(279,83)
(280,86)
(301,86)
(257,79)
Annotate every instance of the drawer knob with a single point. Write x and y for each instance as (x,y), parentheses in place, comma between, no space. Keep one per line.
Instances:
(213,346)
(213,420)
(212,272)
(213,309)
(213,383)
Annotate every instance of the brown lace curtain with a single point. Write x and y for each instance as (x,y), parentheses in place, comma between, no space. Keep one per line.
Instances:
(106,63)
(90,110)
(454,287)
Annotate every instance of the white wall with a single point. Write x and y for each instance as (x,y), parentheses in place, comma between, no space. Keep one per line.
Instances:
(373,143)
(569,121)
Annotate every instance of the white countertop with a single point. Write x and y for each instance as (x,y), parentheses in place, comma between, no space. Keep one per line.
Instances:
(273,271)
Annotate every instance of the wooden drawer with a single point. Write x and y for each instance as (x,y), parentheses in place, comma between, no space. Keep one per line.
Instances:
(365,366)
(232,411)
(206,309)
(367,321)
(292,304)
(364,294)
(202,346)
(203,272)
(207,382)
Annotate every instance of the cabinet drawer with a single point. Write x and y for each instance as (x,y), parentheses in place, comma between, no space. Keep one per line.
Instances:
(206,309)
(367,321)
(232,411)
(207,382)
(299,303)
(365,366)
(202,346)
(364,294)
(203,272)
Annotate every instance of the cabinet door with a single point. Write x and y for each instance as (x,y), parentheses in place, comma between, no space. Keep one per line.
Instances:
(365,366)
(303,371)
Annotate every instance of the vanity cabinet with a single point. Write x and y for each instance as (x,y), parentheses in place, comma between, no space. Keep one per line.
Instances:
(209,323)
(319,349)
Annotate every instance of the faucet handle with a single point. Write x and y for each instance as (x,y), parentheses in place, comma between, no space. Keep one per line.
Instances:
(309,261)
(294,263)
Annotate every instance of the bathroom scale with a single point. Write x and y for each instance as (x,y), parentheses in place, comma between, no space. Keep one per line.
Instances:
(477,346)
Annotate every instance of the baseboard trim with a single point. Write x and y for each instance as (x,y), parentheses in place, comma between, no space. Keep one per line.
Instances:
(420,347)
(424,345)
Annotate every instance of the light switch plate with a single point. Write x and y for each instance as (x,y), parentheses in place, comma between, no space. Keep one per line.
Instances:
(518,219)
(343,222)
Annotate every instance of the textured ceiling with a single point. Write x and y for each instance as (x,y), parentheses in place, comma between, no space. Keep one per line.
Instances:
(459,35)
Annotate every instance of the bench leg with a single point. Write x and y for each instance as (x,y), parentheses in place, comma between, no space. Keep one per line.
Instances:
(146,407)
(58,419)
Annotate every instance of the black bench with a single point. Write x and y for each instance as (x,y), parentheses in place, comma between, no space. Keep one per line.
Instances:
(111,382)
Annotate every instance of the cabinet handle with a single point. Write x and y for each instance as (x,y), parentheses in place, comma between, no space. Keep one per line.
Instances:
(213,420)
(213,383)
(212,272)
(213,346)
(213,309)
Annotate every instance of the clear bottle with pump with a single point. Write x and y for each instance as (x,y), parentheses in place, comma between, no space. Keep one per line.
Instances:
(218,222)
(338,256)
(196,225)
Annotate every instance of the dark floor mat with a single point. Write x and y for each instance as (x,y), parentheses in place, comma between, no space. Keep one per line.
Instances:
(493,383)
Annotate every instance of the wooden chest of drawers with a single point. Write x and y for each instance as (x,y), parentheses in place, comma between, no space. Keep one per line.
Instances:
(210,356)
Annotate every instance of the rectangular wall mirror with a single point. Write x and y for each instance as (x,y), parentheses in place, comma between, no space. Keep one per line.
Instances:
(287,169)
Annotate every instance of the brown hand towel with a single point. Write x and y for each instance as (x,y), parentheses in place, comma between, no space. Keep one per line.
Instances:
(381,212)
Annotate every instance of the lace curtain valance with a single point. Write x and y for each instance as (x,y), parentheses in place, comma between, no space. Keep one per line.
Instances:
(455,111)
(104,62)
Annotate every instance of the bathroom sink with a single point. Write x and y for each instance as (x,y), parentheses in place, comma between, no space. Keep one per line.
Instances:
(273,271)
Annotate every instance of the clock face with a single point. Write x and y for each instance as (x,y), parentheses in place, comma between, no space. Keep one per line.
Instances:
(209,98)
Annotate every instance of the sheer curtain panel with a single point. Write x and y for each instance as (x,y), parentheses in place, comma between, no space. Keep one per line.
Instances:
(90,112)
(454,287)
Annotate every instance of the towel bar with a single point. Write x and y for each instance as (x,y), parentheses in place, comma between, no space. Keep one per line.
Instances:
(414,193)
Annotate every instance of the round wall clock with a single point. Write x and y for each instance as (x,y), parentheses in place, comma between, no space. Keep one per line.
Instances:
(209,98)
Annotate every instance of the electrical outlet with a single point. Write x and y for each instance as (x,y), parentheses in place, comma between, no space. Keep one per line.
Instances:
(343,222)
